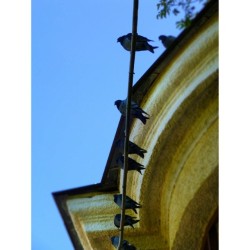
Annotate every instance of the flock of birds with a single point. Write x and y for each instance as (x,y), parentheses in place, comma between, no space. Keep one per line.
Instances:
(142,42)
(136,112)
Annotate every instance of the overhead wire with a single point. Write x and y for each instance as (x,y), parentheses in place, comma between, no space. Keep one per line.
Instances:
(127,118)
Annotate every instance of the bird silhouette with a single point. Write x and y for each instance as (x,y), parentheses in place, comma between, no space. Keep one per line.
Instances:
(132,148)
(141,43)
(128,220)
(129,203)
(167,40)
(136,111)
(132,164)
(125,244)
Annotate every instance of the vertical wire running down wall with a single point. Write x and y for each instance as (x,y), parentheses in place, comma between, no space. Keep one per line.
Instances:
(127,120)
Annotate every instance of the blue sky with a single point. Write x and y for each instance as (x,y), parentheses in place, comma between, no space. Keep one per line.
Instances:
(78,71)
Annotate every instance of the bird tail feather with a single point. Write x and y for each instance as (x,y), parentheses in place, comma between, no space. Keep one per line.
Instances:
(143,118)
(134,210)
(151,48)
(141,154)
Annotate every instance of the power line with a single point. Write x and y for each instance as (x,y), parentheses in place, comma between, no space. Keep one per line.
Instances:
(127,120)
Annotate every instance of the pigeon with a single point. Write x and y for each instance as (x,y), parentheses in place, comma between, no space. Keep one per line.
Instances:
(129,220)
(135,111)
(129,204)
(167,40)
(141,43)
(125,243)
(132,148)
(132,164)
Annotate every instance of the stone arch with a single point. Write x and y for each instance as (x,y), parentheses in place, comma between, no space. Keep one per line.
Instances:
(198,215)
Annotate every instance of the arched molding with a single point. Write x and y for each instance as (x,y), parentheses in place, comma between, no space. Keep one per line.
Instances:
(198,215)
(183,159)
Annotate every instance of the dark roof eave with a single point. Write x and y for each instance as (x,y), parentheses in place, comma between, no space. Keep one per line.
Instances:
(61,198)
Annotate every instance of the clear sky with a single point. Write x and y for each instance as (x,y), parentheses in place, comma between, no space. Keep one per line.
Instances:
(78,71)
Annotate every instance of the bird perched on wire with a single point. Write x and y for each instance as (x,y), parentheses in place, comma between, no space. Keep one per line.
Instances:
(167,40)
(132,164)
(136,111)
(129,220)
(141,43)
(125,244)
(132,148)
(129,203)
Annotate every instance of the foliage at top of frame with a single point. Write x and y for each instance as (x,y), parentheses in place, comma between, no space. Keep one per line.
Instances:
(175,7)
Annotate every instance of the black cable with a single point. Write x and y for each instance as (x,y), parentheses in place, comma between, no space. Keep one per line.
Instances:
(127,120)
